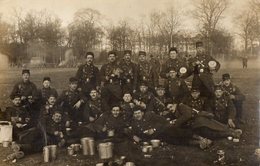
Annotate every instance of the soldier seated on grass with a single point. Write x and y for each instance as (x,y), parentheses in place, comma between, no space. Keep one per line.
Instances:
(46,90)
(234,93)
(143,97)
(19,116)
(127,106)
(110,125)
(94,107)
(148,125)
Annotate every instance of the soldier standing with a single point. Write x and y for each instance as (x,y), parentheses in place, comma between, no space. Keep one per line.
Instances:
(88,74)
(176,62)
(203,68)
(26,89)
(110,74)
(234,93)
(146,72)
(129,73)
(154,61)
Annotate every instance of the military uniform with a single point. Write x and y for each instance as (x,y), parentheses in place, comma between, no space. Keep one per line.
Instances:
(46,92)
(155,65)
(88,76)
(145,98)
(109,122)
(239,98)
(223,109)
(176,64)
(199,104)
(203,77)
(18,115)
(127,110)
(159,104)
(110,74)
(161,127)
(68,99)
(176,88)
(94,108)
(26,89)
(128,75)
(146,73)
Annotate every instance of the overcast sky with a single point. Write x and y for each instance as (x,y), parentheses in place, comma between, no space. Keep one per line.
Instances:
(114,10)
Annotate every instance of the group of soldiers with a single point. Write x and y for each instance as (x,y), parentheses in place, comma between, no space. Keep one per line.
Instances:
(129,101)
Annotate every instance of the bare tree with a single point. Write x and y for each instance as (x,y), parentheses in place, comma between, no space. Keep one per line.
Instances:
(209,13)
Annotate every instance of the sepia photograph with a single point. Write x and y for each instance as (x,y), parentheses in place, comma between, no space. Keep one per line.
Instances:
(130,82)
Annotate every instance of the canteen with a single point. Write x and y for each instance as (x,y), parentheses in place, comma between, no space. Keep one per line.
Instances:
(6,131)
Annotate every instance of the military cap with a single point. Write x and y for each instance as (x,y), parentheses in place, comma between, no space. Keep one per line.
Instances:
(89,53)
(73,79)
(138,108)
(142,53)
(128,52)
(173,49)
(25,71)
(195,89)
(199,44)
(46,79)
(52,94)
(15,96)
(218,87)
(111,52)
(226,76)
(143,83)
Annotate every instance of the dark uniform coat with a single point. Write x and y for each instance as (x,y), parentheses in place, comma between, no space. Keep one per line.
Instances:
(88,76)
(203,77)
(147,73)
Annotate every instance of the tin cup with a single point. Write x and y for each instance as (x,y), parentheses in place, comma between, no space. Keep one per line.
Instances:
(145,149)
(46,154)
(76,147)
(6,144)
(53,152)
(68,131)
(149,148)
(155,143)
(70,151)
(100,164)
(110,133)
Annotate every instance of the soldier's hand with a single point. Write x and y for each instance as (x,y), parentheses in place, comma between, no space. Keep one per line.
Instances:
(104,128)
(136,138)
(23,98)
(231,123)
(150,131)
(107,78)
(56,133)
(67,124)
(19,125)
(134,91)
(27,120)
(77,105)
(232,97)
(91,119)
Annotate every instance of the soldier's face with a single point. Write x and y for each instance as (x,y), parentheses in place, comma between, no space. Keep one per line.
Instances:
(89,59)
(143,88)
(195,94)
(26,77)
(73,85)
(93,94)
(173,55)
(127,57)
(141,58)
(200,50)
(51,100)
(115,111)
(227,82)
(46,84)
(111,58)
(160,92)
(138,115)
(173,74)
(17,101)
(218,93)
(56,117)
(127,97)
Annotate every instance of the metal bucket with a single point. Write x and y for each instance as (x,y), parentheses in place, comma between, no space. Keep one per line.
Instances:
(155,143)
(46,154)
(129,164)
(53,150)
(6,131)
(88,146)
(105,150)
(70,151)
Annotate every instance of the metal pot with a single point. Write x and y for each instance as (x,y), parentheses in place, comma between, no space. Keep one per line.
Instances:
(53,151)
(70,151)
(129,164)
(155,143)
(46,154)
(105,150)
(88,146)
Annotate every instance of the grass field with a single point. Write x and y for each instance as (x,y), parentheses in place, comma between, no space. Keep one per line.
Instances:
(241,153)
